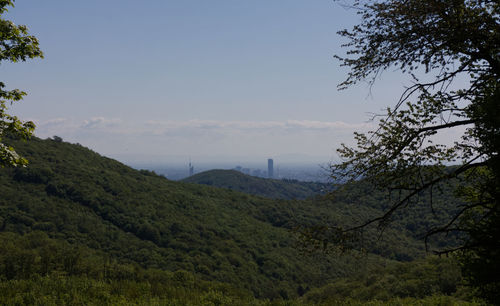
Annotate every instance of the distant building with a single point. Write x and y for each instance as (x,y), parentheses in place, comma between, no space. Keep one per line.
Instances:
(191,169)
(257,172)
(270,168)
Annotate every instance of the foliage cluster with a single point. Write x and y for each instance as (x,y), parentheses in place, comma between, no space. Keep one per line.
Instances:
(15,45)
(417,279)
(38,270)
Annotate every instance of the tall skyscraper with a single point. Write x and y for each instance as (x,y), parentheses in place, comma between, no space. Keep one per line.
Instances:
(270,168)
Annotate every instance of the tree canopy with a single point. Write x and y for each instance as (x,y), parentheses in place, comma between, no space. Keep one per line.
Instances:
(451,50)
(15,45)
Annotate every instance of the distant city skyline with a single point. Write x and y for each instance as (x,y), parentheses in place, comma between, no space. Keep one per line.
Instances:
(299,171)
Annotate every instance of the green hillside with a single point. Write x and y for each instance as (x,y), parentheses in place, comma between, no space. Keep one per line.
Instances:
(102,216)
(76,195)
(269,188)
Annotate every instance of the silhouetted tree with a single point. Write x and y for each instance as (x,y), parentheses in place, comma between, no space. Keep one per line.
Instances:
(447,42)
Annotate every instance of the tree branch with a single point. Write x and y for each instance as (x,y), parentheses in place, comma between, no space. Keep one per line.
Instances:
(396,206)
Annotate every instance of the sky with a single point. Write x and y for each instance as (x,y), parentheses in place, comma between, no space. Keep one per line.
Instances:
(165,80)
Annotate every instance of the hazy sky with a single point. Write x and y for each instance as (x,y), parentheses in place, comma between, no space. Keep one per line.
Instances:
(155,79)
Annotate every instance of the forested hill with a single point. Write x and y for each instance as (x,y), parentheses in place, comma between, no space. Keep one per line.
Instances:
(89,204)
(269,188)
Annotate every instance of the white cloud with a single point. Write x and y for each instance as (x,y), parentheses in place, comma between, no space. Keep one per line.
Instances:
(211,137)
(54,122)
(100,122)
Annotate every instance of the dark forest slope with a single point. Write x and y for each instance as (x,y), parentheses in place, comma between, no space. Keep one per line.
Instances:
(269,188)
(74,195)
